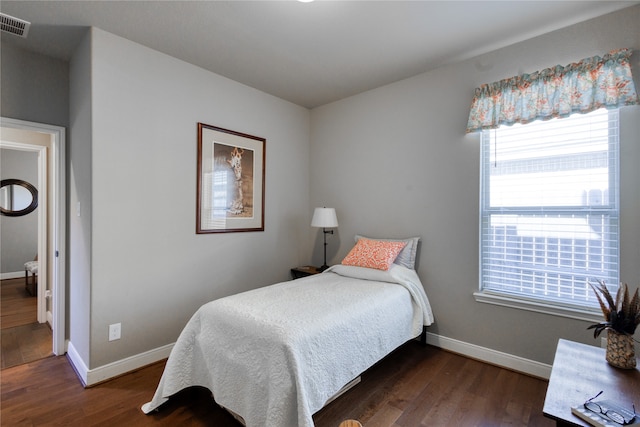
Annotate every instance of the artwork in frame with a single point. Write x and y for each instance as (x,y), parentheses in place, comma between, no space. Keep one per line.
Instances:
(231,171)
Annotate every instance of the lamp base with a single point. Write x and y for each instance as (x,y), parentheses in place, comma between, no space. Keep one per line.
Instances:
(323,268)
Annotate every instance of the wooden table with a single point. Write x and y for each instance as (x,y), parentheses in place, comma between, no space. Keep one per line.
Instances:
(304,271)
(579,372)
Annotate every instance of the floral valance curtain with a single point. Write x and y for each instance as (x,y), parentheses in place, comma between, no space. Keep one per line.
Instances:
(582,87)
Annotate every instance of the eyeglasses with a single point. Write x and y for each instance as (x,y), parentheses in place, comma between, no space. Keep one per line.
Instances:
(624,418)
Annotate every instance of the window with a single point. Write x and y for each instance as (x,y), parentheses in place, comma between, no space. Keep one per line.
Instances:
(549,210)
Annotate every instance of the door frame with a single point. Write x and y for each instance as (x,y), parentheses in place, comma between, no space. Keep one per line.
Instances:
(56,250)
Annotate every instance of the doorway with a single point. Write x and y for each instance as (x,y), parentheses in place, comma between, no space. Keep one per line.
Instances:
(51,283)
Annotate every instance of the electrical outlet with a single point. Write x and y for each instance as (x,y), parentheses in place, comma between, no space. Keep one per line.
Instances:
(114,331)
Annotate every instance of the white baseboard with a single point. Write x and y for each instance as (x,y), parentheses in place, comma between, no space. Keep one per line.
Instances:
(12,275)
(97,375)
(77,363)
(494,357)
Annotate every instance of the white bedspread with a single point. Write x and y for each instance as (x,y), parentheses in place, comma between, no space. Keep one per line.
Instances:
(274,355)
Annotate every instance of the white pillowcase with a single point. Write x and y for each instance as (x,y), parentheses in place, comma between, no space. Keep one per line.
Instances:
(407,256)
(365,273)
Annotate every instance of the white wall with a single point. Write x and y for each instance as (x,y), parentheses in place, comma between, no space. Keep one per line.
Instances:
(395,162)
(19,234)
(149,270)
(34,87)
(79,200)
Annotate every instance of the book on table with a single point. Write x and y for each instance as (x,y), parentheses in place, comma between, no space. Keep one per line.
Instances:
(599,419)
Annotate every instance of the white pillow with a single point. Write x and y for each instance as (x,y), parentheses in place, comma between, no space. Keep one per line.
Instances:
(365,273)
(407,256)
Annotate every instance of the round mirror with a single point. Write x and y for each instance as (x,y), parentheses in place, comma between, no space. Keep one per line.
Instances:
(17,197)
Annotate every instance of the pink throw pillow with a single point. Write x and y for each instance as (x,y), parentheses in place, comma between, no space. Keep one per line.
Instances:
(373,254)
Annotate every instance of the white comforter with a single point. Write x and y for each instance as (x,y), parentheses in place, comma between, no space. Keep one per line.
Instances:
(274,355)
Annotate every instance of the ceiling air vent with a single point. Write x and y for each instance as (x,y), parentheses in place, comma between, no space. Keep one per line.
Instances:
(18,27)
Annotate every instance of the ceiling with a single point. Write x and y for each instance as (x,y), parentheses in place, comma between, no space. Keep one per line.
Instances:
(307,53)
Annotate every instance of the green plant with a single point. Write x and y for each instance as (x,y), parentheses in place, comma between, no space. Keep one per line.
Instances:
(621,315)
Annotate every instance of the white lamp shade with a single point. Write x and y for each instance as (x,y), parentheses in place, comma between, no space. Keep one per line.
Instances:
(324,217)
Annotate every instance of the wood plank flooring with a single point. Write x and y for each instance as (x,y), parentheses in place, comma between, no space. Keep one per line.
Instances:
(22,338)
(414,386)
(16,306)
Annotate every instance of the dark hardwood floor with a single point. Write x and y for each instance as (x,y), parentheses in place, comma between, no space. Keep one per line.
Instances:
(18,307)
(22,338)
(414,386)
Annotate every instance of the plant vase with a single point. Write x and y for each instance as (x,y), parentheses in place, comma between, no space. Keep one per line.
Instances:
(620,350)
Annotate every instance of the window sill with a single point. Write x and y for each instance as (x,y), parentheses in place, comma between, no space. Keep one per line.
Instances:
(522,303)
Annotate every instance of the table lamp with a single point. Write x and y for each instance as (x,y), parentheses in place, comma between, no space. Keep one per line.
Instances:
(325,218)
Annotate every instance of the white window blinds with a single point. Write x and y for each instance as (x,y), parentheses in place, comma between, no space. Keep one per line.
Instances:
(549,208)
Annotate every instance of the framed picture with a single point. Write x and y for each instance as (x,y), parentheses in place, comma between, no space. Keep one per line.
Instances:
(230,181)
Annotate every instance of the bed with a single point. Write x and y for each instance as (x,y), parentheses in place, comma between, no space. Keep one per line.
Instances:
(274,356)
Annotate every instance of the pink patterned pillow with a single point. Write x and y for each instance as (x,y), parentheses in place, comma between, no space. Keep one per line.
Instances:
(373,254)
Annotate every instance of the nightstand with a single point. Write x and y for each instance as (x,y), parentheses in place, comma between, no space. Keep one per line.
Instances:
(304,271)
(579,371)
